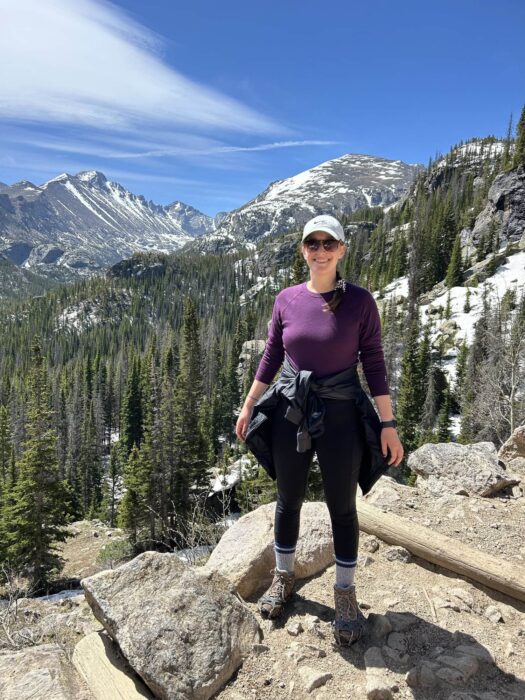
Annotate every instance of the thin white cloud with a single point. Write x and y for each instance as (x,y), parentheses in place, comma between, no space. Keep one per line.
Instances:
(84,62)
(189,145)
(272,146)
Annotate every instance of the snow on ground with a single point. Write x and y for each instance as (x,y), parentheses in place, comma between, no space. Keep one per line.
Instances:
(222,482)
(57,597)
(510,275)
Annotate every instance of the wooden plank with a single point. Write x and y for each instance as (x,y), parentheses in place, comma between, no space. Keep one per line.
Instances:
(450,553)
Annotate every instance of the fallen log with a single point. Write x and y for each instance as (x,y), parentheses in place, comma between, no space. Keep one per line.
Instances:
(450,553)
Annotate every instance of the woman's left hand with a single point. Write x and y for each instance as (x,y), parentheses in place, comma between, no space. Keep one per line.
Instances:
(390,441)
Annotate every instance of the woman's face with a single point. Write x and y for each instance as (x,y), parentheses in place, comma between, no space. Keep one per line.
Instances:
(323,261)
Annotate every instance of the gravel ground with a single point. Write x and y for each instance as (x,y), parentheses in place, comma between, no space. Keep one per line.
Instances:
(432,615)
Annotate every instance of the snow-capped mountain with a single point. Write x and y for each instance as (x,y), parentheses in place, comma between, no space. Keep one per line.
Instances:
(85,222)
(337,187)
(190,219)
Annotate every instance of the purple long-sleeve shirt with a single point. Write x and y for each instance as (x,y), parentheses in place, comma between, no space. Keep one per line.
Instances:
(325,342)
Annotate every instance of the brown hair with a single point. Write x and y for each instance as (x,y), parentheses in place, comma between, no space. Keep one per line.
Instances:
(339,292)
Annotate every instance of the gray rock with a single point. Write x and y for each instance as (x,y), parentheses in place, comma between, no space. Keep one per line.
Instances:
(39,672)
(452,467)
(401,621)
(494,614)
(260,648)
(463,595)
(383,494)
(412,677)
(397,641)
(245,554)
(482,653)
(505,207)
(514,449)
(98,660)
(378,626)
(378,688)
(395,656)
(466,664)
(427,675)
(191,622)
(398,554)
(377,684)
(370,544)
(311,650)
(374,659)
(294,628)
(517,466)
(365,560)
(312,678)
(450,675)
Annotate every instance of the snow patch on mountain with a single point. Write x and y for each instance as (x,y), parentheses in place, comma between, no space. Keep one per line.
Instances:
(92,221)
(338,187)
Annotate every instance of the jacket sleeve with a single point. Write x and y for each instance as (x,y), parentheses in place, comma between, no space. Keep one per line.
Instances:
(274,351)
(370,348)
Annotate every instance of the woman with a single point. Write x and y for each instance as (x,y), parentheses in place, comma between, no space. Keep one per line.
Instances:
(321,328)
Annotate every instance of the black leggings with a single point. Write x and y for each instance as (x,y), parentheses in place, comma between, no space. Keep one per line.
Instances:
(339,452)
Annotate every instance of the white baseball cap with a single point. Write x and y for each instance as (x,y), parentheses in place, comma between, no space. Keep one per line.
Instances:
(328,224)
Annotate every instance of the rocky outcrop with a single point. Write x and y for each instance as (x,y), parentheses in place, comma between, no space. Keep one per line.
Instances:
(183,632)
(449,467)
(37,673)
(245,553)
(512,452)
(505,208)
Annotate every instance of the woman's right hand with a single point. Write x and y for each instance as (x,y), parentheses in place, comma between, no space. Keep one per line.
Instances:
(243,421)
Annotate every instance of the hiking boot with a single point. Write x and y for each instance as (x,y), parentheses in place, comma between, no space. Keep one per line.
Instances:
(349,620)
(272,602)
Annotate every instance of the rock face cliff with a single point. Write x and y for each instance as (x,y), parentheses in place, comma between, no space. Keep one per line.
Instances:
(505,209)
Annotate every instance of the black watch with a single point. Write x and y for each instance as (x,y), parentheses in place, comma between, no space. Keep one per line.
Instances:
(389,423)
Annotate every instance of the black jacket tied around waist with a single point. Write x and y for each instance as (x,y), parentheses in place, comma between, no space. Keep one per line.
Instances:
(306,409)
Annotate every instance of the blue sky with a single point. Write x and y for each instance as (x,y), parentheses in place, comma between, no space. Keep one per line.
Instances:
(208,102)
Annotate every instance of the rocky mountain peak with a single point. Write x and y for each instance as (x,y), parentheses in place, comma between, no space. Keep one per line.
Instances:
(92,177)
(339,187)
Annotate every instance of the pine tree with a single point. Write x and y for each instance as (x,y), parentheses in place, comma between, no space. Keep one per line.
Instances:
(443,427)
(112,485)
(409,399)
(190,453)
(34,519)
(133,513)
(466,306)
(89,465)
(519,152)
(453,278)
(299,269)
(131,419)
(6,446)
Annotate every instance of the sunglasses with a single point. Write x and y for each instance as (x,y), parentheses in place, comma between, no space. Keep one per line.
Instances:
(329,244)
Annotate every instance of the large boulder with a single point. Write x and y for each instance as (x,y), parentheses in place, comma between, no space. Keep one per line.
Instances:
(183,632)
(449,467)
(245,554)
(512,452)
(39,672)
